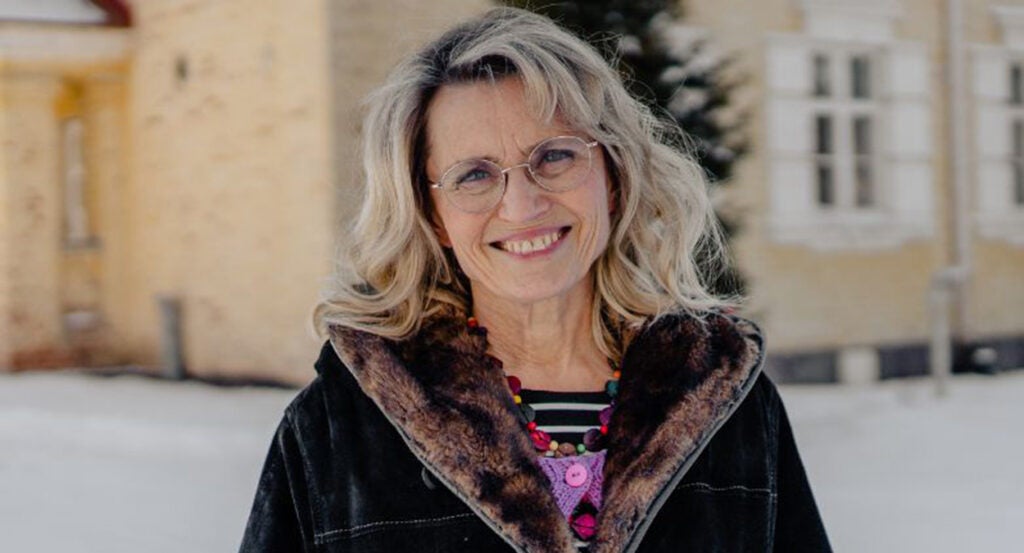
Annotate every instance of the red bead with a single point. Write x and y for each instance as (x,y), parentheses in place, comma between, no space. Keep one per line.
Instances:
(583,525)
(604,429)
(472,322)
(531,426)
(515,385)
(540,440)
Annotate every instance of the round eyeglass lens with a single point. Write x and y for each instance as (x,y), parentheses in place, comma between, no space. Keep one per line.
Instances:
(473,185)
(561,163)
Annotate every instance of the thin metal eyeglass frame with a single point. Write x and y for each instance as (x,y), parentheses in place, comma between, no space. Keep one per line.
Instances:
(504,173)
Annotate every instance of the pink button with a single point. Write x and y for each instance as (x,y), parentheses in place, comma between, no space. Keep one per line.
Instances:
(576,475)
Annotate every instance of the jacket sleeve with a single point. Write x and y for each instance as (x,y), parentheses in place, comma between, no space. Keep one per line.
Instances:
(280,519)
(798,525)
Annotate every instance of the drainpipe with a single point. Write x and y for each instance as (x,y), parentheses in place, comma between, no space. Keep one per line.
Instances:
(947,294)
(172,352)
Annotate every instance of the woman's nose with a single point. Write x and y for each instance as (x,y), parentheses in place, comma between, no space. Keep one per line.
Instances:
(524,200)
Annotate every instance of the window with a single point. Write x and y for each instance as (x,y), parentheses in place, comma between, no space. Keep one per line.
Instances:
(863,161)
(860,77)
(77,224)
(846,152)
(1016,96)
(1016,84)
(1017,161)
(822,78)
(825,160)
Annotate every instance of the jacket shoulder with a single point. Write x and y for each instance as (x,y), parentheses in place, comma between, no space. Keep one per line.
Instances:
(333,389)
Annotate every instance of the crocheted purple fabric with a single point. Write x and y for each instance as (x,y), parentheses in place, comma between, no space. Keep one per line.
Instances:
(574,479)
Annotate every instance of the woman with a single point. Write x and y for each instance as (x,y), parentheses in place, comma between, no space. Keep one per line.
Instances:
(522,356)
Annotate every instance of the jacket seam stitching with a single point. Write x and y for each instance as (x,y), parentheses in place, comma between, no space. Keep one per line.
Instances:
(707,487)
(321,537)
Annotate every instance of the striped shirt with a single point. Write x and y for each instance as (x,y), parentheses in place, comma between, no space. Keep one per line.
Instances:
(566,416)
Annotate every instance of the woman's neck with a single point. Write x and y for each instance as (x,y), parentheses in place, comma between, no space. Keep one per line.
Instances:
(547,344)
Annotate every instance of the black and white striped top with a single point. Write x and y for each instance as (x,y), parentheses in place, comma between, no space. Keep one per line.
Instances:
(566,416)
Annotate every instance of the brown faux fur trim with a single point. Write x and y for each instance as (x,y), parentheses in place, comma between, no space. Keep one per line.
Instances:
(455,411)
(680,380)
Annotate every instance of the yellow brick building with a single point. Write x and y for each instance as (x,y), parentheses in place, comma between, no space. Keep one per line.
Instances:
(206,153)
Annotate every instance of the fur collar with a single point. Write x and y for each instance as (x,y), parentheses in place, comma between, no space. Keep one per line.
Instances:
(680,380)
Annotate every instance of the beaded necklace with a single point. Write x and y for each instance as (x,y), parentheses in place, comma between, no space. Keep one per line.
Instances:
(574,470)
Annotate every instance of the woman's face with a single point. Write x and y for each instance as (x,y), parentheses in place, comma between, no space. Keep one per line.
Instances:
(485,120)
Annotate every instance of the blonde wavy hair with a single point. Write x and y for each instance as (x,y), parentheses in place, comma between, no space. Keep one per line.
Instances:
(394,274)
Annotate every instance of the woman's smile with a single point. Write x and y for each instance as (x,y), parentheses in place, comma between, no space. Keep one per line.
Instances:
(533,243)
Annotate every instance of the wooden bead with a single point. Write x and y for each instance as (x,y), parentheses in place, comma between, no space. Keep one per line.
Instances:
(567,449)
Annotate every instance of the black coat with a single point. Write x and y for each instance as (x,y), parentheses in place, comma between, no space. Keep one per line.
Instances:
(415,446)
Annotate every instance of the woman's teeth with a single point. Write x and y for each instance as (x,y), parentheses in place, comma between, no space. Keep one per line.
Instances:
(535,244)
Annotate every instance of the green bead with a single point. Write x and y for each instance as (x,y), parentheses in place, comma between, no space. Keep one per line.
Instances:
(612,387)
(581,449)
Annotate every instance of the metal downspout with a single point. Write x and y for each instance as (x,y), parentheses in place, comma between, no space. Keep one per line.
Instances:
(948,292)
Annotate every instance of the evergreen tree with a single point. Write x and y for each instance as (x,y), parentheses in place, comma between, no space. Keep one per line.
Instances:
(670,70)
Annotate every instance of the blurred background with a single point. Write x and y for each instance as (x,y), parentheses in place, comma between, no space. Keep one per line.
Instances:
(175,176)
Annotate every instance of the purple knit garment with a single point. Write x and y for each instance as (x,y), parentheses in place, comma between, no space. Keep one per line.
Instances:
(568,496)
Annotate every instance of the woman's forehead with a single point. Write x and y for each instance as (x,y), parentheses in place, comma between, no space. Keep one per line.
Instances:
(485,119)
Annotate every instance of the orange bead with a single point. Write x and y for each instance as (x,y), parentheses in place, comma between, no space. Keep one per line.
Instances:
(617,375)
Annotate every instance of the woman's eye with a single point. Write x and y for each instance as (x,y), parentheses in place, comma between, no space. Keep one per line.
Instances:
(472,176)
(555,156)
(473,179)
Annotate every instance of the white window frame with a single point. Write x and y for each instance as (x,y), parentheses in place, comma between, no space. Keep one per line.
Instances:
(997,213)
(902,150)
(842,109)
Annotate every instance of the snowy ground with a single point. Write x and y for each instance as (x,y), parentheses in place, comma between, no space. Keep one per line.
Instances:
(131,464)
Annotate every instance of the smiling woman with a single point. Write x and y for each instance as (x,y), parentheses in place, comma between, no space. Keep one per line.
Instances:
(522,354)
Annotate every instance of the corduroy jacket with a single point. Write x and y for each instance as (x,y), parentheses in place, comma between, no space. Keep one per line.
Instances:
(415,445)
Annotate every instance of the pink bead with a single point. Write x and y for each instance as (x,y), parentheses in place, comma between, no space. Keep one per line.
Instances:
(584,525)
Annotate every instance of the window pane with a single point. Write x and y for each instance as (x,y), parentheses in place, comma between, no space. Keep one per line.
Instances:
(822,84)
(1016,84)
(826,186)
(860,76)
(862,135)
(865,191)
(1018,138)
(1018,182)
(823,134)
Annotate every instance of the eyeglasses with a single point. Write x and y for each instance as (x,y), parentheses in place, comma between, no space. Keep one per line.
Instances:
(557,164)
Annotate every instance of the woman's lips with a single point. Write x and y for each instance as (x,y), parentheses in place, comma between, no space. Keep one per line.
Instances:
(535,244)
